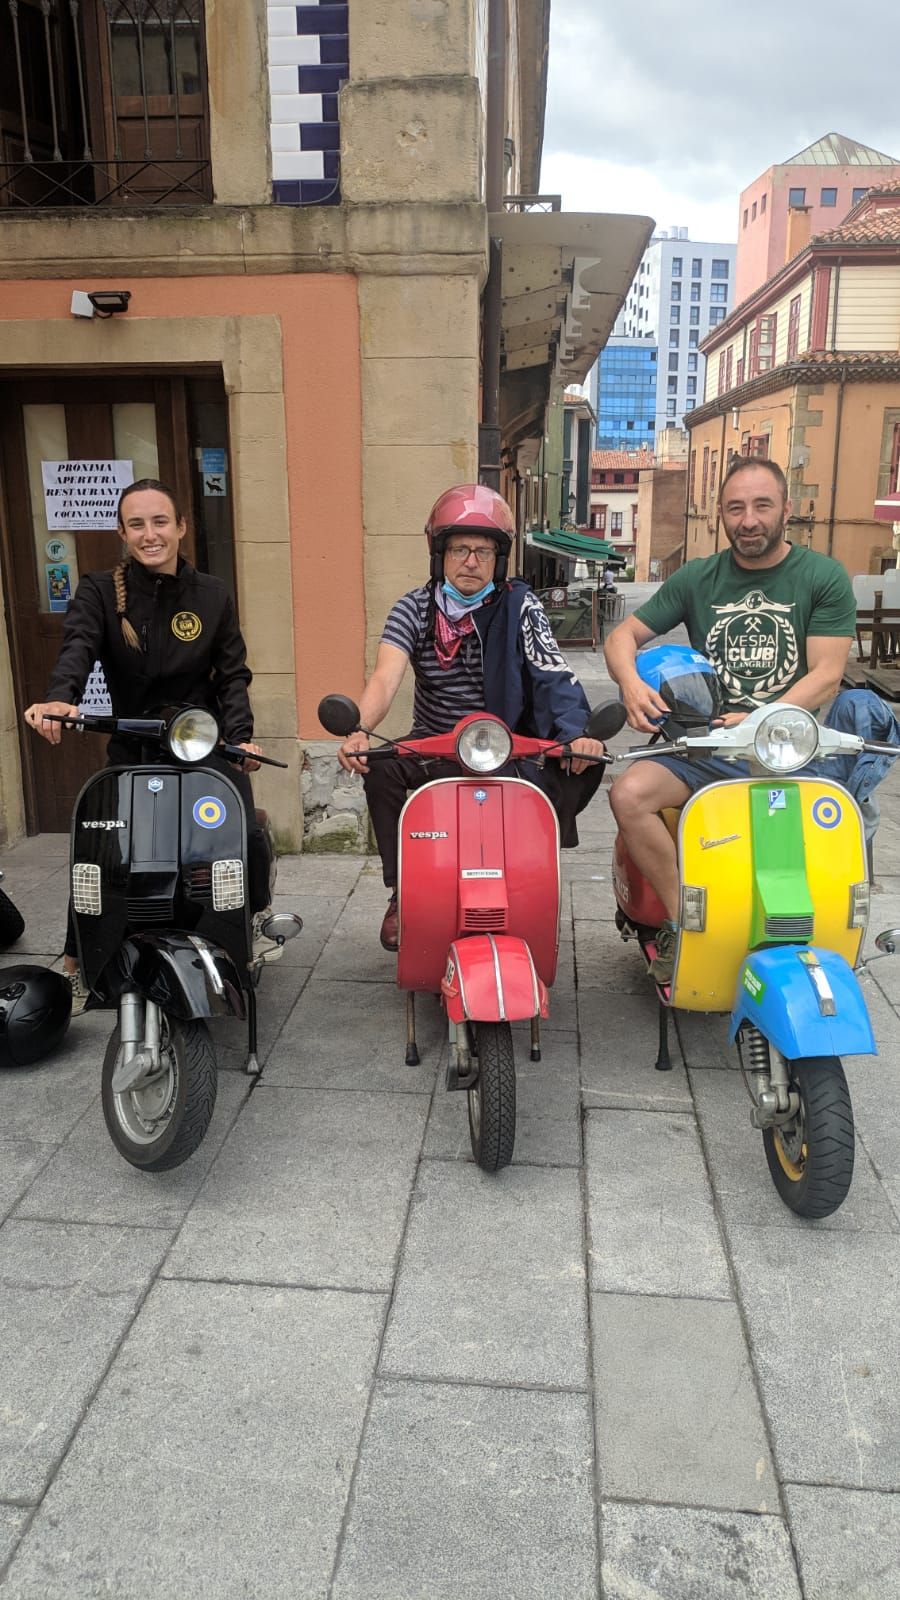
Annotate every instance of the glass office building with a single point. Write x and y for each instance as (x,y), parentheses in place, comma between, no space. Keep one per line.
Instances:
(624,394)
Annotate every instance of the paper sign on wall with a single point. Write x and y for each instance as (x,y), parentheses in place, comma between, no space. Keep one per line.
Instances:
(84,494)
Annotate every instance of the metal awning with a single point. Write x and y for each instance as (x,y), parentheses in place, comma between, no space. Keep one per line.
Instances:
(564,543)
(565,277)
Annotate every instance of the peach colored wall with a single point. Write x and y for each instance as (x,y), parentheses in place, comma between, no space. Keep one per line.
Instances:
(761,245)
(320,343)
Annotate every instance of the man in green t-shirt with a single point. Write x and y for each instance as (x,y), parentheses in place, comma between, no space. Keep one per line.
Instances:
(776,620)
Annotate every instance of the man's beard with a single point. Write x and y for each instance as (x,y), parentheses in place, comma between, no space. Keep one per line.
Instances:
(759,551)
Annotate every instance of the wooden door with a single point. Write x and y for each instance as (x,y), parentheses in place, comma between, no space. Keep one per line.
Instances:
(140,420)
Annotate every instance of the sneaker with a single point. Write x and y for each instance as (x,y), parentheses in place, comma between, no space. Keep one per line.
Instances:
(80,991)
(663,964)
(263,949)
(390,926)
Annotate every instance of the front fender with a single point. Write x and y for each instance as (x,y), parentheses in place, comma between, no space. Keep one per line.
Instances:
(491,977)
(776,994)
(185,976)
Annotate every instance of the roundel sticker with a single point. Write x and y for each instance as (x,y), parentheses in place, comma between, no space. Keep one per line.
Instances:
(826,812)
(186,625)
(209,812)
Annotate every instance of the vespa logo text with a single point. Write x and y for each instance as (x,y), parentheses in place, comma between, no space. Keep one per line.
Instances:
(435,833)
(106,826)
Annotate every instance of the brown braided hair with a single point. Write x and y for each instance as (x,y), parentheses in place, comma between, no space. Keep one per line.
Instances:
(128,632)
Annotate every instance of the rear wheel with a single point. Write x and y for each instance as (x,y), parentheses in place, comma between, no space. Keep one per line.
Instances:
(161,1122)
(12,924)
(492,1098)
(811,1157)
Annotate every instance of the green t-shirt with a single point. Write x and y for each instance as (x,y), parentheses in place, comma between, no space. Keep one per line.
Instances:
(754,626)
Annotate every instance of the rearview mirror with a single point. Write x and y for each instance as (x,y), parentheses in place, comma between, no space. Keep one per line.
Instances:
(606,721)
(338,714)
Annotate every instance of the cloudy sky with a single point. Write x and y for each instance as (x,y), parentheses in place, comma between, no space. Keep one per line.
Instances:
(671,107)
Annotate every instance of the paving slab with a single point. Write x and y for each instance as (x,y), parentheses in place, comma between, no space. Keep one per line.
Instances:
(875,1089)
(311,1188)
(12,1521)
(465,1491)
(352,951)
(677,1414)
(224,1400)
(703,1040)
(42,1104)
(672,1553)
(88,1181)
(823,1310)
(318,875)
(592,895)
(67,1294)
(652,1225)
(847,1542)
(320,912)
(353,1036)
(603,961)
(492,1279)
(618,1050)
(280,989)
(740,1174)
(20,1162)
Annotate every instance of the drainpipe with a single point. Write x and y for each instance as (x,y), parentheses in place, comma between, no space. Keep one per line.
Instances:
(721,475)
(834,464)
(495,134)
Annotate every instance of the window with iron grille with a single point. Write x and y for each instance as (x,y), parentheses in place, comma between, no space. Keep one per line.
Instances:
(104,103)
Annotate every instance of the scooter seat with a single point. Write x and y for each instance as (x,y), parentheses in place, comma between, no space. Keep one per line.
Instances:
(671,817)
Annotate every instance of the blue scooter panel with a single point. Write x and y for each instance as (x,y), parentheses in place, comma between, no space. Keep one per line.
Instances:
(777,995)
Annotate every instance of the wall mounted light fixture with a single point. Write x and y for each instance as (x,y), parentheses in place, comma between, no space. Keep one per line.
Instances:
(106,302)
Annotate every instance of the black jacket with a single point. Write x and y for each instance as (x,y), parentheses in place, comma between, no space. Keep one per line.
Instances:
(192,652)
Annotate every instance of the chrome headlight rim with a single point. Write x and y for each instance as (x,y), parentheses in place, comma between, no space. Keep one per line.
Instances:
(808,725)
(192,734)
(497,751)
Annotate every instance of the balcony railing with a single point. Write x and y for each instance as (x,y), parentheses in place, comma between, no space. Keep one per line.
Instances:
(532,202)
(106,105)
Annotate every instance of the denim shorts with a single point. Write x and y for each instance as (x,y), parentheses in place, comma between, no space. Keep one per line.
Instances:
(700,773)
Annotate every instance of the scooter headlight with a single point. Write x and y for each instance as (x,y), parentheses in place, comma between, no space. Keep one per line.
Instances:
(193,734)
(786,738)
(484,746)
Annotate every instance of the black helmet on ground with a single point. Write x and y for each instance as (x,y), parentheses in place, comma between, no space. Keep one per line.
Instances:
(35,1010)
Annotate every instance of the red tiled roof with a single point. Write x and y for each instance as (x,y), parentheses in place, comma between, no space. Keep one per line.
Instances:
(868,222)
(619,460)
(847,358)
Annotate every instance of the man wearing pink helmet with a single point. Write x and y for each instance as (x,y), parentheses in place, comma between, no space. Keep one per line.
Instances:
(477,641)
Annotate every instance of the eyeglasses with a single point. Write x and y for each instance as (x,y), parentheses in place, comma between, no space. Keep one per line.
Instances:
(481,552)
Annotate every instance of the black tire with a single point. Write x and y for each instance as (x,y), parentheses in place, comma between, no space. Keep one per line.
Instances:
(179,1104)
(811,1159)
(492,1098)
(12,923)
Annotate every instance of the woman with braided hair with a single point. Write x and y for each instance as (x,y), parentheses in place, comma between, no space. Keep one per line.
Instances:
(165,635)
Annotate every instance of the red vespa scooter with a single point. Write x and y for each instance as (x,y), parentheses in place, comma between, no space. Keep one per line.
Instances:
(478,899)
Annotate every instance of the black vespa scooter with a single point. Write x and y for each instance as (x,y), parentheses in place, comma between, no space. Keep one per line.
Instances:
(12,923)
(159,888)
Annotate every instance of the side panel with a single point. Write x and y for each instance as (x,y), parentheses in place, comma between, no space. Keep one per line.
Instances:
(776,994)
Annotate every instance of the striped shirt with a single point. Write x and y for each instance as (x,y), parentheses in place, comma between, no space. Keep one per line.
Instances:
(443,694)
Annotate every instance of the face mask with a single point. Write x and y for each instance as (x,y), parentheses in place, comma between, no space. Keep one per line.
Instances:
(466,600)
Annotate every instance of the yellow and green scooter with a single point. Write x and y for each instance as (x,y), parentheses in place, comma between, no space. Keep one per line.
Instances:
(774,904)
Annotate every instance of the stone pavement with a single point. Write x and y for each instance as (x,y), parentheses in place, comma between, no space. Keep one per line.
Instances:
(329,1357)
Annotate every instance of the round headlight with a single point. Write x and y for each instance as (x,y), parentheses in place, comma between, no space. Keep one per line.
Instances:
(484,746)
(787,738)
(193,734)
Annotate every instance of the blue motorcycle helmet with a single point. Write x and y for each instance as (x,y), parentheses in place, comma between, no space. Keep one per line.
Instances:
(686,681)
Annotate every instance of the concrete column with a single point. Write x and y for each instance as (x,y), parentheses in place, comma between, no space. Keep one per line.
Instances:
(238,66)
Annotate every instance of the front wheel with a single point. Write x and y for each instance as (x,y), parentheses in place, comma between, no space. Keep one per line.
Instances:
(811,1157)
(12,924)
(161,1122)
(492,1098)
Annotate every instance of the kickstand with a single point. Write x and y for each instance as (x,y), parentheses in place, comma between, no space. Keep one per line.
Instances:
(536,1038)
(663,1061)
(253,1068)
(412,1049)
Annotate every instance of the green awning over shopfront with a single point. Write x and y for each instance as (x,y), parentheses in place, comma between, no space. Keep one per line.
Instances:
(581,545)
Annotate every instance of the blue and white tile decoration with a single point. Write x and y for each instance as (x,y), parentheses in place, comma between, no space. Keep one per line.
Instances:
(308,62)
